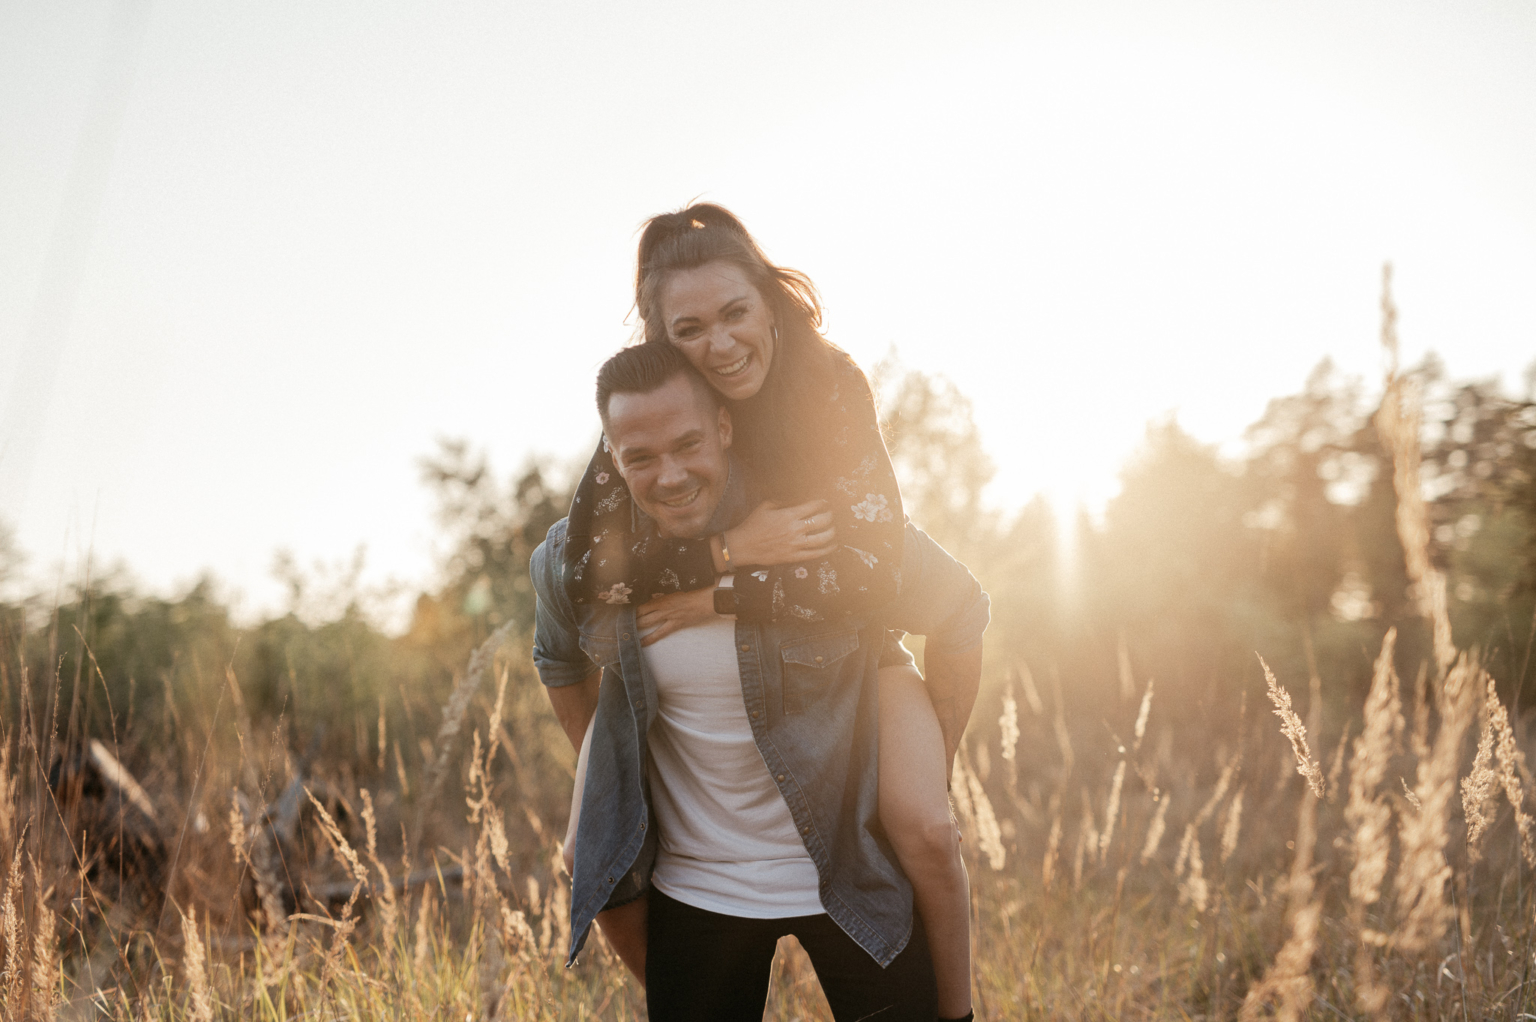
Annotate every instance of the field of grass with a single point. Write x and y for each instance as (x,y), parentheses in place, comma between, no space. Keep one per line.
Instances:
(262,828)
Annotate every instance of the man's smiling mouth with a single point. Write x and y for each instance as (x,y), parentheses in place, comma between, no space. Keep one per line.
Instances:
(679,503)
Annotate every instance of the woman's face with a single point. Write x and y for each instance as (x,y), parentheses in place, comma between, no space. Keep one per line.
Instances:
(721,322)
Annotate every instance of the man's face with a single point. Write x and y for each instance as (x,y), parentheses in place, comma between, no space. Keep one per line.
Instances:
(670,446)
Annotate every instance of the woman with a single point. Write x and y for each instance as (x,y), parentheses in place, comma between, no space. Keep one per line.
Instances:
(828,544)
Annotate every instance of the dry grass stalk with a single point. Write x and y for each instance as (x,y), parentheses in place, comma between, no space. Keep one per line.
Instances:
(342,936)
(1031,693)
(1182,858)
(13,979)
(383,732)
(1399,422)
(1421,877)
(1142,715)
(1155,830)
(1292,727)
(338,841)
(1052,848)
(1087,838)
(194,964)
(1368,814)
(454,712)
(1418,739)
(423,943)
(1193,888)
(1511,765)
(1336,768)
(46,966)
(8,783)
(989,834)
(118,776)
(1008,725)
(1111,811)
(1477,786)
(1223,783)
(1288,982)
(1127,679)
(1232,827)
(389,909)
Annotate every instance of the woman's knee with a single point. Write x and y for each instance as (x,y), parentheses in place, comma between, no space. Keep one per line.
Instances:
(928,840)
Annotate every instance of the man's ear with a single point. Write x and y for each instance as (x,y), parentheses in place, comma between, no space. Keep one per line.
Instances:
(725,428)
(613,455)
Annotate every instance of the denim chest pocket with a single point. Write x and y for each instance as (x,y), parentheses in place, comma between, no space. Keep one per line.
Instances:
(812,663)
(602,650)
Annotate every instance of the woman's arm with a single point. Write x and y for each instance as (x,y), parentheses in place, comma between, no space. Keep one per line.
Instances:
(864,501)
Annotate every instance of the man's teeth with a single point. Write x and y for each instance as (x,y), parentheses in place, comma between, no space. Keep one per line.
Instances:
(682,502)
(735,367)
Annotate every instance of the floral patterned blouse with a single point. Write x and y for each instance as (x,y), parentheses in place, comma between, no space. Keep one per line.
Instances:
(614,555)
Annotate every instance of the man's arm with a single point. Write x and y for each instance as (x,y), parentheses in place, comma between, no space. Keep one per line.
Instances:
(942,600)
(574,706)
(569,676)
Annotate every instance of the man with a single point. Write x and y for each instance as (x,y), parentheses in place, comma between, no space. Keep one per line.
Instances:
(732,768)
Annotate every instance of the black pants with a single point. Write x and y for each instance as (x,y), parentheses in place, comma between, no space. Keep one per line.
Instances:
(705,967)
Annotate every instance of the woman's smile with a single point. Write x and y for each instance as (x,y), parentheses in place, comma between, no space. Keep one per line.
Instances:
(735,368)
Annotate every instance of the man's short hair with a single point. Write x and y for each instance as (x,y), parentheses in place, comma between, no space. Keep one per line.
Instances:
(642,368)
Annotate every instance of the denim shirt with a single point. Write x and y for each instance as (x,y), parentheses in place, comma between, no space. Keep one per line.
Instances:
(811,698)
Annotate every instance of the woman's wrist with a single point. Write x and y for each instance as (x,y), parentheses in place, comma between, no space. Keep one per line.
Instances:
(720,552)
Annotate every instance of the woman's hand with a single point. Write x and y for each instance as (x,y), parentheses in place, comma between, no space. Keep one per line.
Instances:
(783,535)
(664,615)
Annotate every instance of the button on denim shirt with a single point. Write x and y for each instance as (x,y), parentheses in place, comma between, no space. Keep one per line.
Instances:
(811,698)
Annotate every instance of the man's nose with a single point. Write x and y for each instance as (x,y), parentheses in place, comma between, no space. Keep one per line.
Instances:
(673,472)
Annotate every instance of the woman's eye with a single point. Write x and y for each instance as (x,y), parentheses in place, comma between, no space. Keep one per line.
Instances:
(736,313)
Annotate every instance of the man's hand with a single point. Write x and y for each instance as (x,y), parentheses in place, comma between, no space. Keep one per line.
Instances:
(664,615)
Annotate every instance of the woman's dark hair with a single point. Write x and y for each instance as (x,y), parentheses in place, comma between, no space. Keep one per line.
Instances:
(786,429)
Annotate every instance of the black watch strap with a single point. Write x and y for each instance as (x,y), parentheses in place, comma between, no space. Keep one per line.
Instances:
(727,600)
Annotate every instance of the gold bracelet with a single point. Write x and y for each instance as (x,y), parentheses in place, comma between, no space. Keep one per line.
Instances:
(725,552)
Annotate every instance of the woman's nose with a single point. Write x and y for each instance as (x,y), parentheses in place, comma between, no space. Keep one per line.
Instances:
(720,339)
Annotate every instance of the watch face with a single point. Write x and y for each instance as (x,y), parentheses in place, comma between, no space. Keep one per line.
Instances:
(725,600)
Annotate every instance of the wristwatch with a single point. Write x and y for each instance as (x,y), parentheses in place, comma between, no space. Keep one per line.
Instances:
(727,600)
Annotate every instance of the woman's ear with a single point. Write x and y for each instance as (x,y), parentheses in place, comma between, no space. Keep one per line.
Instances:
(725,428)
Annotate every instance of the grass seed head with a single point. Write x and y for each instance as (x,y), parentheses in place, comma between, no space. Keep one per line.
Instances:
(1293,729)
(194,964)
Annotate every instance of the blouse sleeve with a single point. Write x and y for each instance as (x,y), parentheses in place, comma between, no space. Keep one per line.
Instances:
(864,572)
(609,560)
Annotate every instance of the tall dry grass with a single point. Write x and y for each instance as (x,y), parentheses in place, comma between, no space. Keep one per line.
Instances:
(1137,878)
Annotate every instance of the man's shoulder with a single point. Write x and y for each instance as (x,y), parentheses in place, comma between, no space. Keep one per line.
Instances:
(547,562)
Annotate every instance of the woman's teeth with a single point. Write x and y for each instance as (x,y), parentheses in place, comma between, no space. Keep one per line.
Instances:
(735,368)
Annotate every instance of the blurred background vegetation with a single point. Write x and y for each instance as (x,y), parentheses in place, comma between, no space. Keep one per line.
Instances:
(1287,547)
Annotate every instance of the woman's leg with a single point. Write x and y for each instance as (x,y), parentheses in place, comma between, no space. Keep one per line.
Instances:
(914,808)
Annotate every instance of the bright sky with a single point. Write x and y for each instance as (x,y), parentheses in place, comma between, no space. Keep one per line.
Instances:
(257,257)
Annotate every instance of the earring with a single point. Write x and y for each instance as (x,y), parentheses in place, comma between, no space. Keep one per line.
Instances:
(775,331)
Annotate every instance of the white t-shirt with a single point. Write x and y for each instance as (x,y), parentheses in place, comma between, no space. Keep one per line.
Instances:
(727,842)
